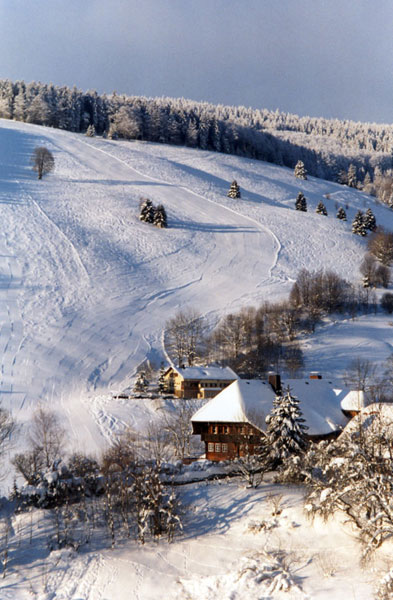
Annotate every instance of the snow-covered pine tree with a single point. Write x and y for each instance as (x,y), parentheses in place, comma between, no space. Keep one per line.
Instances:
(358,226)
(369,220)
(286,431)
(300,171)
(234,190)
(161,380)
(301,202)
(321,209)
(352,177)
(160,218)
(141,383)
(341,214)
(147,210)
(90,131)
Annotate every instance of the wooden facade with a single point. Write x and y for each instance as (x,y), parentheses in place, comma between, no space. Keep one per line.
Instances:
(179,383)
(227,441)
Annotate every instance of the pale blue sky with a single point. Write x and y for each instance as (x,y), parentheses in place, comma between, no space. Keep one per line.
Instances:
(317,57)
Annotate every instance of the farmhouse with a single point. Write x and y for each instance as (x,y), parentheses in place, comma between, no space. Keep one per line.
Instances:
(198,382)
(232,423)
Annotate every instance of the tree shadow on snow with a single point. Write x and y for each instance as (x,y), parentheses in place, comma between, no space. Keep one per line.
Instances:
(210,227)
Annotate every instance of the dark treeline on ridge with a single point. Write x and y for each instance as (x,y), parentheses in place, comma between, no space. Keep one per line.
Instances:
(328,147)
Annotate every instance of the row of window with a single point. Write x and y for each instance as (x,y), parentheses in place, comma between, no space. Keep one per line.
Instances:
(212,385)
(211,447)
(226,429)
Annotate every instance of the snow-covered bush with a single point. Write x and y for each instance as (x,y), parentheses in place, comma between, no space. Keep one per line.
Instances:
(385,587)
(354,475)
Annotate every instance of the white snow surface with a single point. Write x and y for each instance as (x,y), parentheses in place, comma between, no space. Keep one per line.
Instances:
(85,290)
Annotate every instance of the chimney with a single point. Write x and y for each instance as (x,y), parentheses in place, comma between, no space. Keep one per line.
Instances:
(275,381)
(315,375)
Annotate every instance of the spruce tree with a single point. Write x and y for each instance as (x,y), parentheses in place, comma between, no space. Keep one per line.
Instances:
(141,383)
(91,131)
(300,170)
(160,218)
(147,211)
(352,177)
(358,226)
(321,209)
(341,214)
(369,220)
(161,380)
(234,190)
(286,431)
(301,202)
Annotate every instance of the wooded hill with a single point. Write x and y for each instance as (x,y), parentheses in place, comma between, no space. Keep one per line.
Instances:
(326,146)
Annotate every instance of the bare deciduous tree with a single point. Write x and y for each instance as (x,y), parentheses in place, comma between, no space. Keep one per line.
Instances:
(47,436)
(184,333)
(380,244)
(43,161)
(177,425)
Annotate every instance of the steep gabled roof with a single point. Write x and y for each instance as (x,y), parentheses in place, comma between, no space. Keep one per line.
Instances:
(201,373)
(250,401)
(243,401)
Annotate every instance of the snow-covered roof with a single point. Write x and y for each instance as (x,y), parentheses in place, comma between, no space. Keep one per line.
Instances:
(373,415)
(354,400)
(250,401)
(208,373)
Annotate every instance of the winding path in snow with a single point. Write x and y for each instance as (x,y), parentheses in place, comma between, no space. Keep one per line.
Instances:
(97,286)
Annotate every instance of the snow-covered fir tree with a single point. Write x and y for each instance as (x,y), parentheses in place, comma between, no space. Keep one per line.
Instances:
(300,170)
(286,431)
(90,131)
(160,218)
(321,209)
(301,202)
(234,190)
(147,211)
(358,226)
(369,220)
(161,380)
(141,384)
(341,214)
(352,176)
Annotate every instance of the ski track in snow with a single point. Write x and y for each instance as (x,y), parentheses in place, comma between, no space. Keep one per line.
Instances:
(87,288)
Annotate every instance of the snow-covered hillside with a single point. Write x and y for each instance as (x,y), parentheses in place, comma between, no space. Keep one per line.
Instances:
(86,287)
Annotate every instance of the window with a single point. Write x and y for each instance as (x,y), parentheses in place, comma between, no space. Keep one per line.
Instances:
(210,447)
(217,447)
(215,429)
(224,447)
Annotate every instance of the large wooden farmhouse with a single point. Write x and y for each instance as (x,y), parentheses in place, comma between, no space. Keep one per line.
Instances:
(198,382)
(233,423)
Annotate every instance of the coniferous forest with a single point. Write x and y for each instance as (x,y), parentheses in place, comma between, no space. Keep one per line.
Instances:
(355,154)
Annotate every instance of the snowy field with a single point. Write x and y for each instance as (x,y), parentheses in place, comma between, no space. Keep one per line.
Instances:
(233,547)
(85,291)
(86,288)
